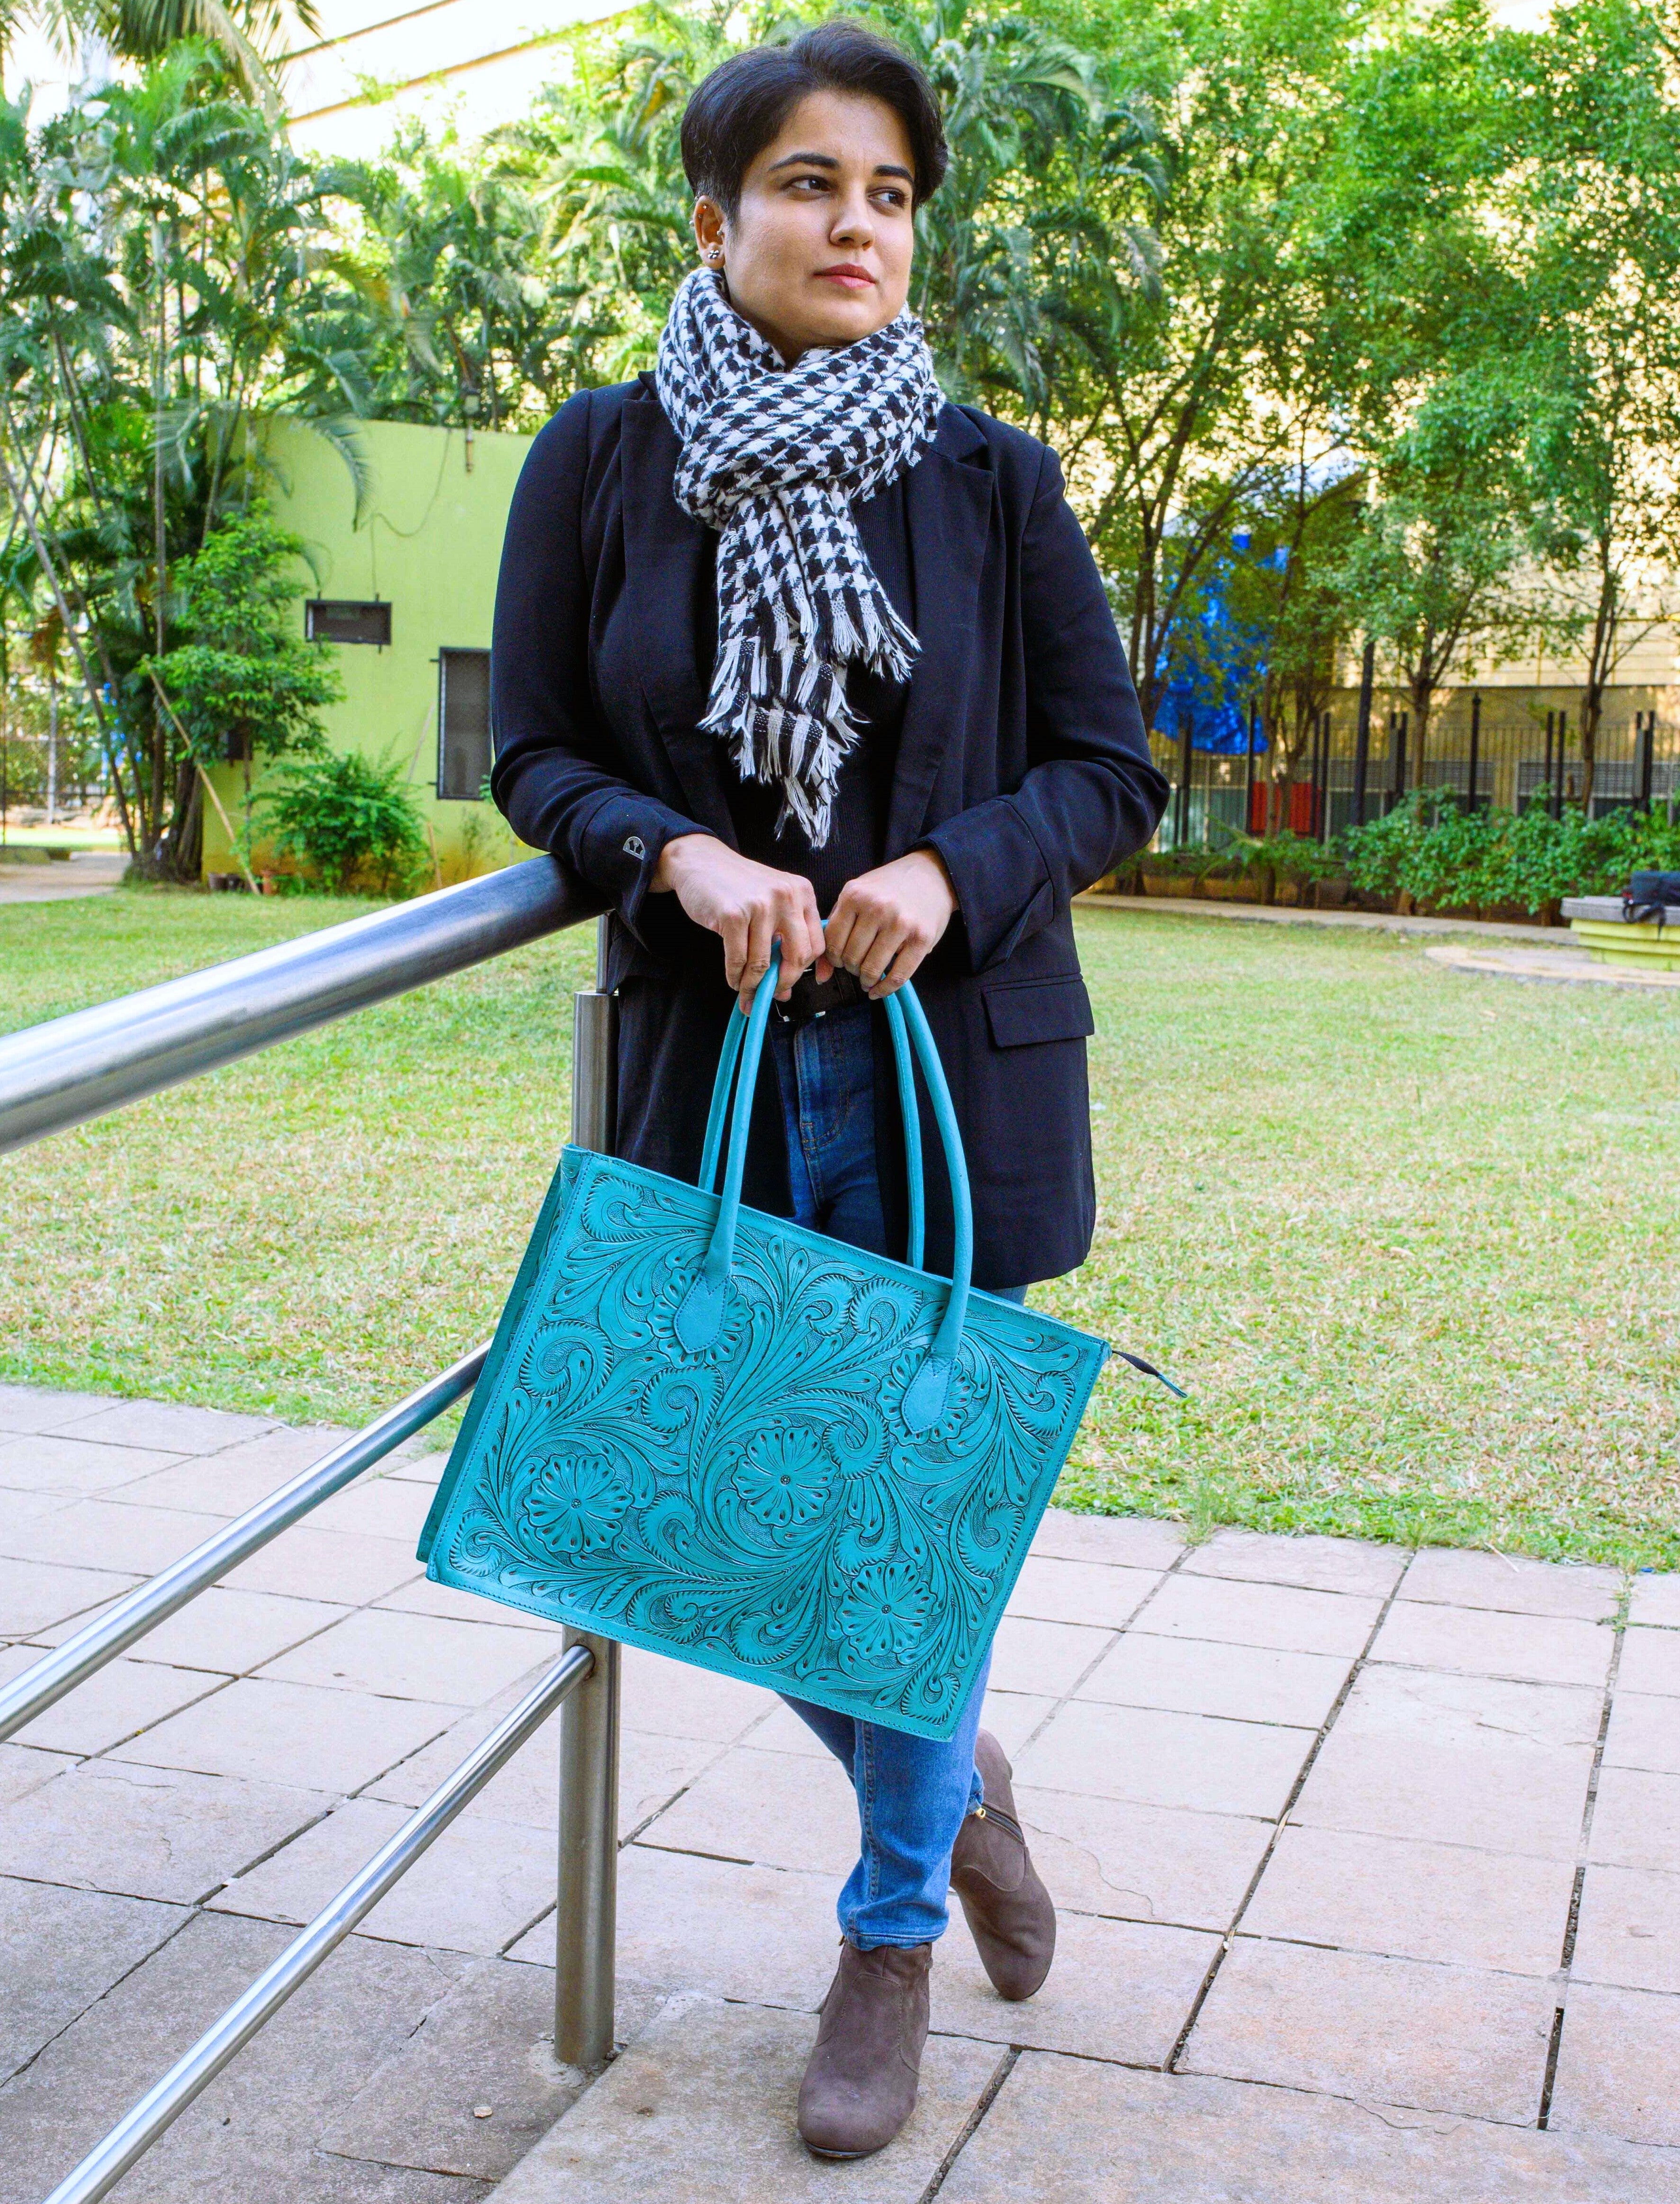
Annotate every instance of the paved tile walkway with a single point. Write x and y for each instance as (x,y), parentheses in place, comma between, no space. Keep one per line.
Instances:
(1368,1868)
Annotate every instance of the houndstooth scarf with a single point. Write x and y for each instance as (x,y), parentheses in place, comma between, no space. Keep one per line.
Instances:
(772,458)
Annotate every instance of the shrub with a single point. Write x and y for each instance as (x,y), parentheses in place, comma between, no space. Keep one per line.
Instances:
(350,819)
(1470,861)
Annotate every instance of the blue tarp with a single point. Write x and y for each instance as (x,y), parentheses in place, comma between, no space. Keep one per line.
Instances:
(1215,665)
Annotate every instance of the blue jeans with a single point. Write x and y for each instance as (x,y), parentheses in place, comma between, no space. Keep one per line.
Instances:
(913,1793)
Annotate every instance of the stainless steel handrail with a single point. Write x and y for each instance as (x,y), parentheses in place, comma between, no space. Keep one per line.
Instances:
(63,1073)
(79,1067)
(130,1617)
(136,2132)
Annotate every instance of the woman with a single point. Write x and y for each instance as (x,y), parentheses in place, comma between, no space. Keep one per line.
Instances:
(787,649)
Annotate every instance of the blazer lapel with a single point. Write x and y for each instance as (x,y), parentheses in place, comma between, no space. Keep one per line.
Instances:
(666,571)
(950,507)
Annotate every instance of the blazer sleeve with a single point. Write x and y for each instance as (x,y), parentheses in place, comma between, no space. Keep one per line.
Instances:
(553,777)
(1091,795)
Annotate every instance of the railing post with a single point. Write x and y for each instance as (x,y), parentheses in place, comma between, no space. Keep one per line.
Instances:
(586,1916)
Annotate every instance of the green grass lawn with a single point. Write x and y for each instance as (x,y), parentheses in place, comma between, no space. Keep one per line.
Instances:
(1407,1235)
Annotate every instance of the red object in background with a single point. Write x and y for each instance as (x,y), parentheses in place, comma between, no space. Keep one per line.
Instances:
(1298,810)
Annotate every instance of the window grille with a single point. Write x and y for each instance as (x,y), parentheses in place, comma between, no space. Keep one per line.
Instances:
(463,724)
(345,620)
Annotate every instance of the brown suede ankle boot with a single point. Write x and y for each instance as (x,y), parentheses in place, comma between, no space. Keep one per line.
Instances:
(860,2085)
(1008,1909)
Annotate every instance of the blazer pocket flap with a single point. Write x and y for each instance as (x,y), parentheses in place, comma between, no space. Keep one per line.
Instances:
(1022,1011)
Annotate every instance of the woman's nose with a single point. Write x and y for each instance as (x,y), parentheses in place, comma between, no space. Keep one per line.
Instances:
(854,224)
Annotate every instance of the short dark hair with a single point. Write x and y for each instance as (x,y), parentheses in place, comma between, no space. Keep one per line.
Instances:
(737,110)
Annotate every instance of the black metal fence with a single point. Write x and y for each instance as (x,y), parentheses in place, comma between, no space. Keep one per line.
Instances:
(1485,756)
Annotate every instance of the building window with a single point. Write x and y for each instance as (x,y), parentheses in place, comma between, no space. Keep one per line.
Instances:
(463,724)
(344,619)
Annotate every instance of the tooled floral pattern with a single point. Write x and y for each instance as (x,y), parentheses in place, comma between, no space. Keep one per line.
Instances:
(784,1477)
(760,1506)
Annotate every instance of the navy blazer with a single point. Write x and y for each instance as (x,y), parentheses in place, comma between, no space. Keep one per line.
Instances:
(1023,761)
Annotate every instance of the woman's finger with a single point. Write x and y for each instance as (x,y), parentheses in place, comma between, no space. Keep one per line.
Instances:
(904,964)
(732,927)
(883,953)
(761,928)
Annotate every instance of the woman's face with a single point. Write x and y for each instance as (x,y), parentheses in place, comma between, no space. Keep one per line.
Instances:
(818,251)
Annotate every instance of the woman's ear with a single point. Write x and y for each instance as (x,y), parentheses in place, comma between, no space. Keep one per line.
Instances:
(709,232)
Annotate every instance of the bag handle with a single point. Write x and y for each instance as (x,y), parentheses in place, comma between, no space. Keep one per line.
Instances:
(700,1314)
(911,1115)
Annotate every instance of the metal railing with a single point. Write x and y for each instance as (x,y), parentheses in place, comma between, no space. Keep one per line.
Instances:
(79,1067)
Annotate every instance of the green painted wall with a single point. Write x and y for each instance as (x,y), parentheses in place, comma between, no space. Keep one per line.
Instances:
(429,542)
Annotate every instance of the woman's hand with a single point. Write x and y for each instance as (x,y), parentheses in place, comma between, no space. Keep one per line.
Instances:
(886,921)
(748,904)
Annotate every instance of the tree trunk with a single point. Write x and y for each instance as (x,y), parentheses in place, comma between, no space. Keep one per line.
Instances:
(186,841)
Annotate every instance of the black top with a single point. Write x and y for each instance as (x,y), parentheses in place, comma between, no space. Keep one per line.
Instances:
(1021,757)
(858,827)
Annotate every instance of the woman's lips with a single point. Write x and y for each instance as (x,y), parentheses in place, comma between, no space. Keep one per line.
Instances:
(848,278)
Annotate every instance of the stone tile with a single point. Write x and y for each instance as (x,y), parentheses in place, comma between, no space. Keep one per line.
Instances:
(1651,1663)
(234,1632)
(1444,1903)
(61,1949)
(1636,1820)
(1629,1933)
(304,1563)
(118,1702)
(1313,1564)
(50,1464)
(1069,2131)
(479,1886)
(297,1735)
(1043,1657)
(1012,1717)
(489,2041)
(674,1698)
(1644,1732)
(1276,1615)
(652,1770)
(411,1657)
(1118,1989)
(27,1408)
(149,1832)
(1656,1599)
(1139,1542)
(99,1534)
(1456,1760)
(782,1731)
(161,1424)
(700,2110)
(761,1935)
(1194,1676)
(1456,1576)
(1159,1759)
(239,1477)
(1468,1641)
(24,1769)
(1095,1592)
(379,1507)
(766,1810)
(1142,1862)
(1617,2062)
(254,2131)
(418,1467)
(420,1597)
(1445,2039)
(36,1595)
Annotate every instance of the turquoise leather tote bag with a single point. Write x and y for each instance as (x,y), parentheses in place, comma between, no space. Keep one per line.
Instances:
(715,1434)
